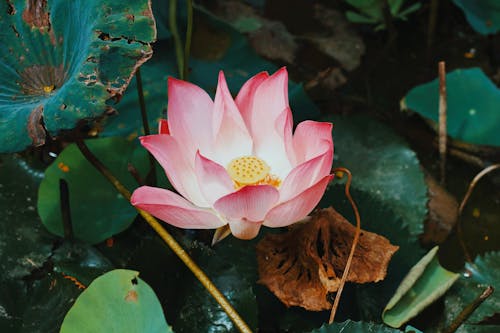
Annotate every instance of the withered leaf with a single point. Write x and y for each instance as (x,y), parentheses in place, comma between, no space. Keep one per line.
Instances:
(304,265)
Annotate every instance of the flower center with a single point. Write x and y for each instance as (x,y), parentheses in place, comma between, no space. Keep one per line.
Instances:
(251,170)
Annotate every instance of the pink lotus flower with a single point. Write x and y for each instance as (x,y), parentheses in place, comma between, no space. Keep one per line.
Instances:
(235,161)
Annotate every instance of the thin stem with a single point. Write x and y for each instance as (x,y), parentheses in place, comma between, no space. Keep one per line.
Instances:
(142,103)
(442,120)
(169,240)
(469,309)
(189,32)
(472,184)
(354,242)
(151,177)
(431,27)
(65,209)
(172,23)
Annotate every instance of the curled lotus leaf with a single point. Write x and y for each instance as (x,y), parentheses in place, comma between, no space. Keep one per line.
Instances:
(63,61)
(304,266)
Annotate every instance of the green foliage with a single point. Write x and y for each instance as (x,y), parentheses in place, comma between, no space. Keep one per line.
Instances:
(66,61)
(371,11)
(425,283)
(472,100)
(24,243)
(350,326)
(232,267)
(118,301)
(97,210)
(483,16)
(485,271)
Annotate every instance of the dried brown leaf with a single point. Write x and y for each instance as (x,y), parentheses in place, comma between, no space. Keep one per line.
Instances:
(304,265)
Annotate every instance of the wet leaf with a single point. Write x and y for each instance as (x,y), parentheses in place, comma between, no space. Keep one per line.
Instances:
(118,301)
(425,283)
(350,326)
(303,266)
(24,242)
(64,61)
(483,16)
(231,266)
(383,166)
(473,101)
(485,271)
(98,211)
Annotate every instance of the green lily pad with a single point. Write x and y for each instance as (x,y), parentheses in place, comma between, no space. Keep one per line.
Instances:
(485,271)
(118,301)
(383,166)
(24,243)
(98,211)
(64,61)
(483,16)
(350,326)
(473,101)
(426,282)
(216,46)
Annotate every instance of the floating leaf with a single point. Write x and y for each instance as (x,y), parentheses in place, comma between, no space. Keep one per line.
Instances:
(383,166)
(64,61)
(118,301)
(425,283)
(303,266)
(485,271)
(483,16)
(473,101)
(97,210)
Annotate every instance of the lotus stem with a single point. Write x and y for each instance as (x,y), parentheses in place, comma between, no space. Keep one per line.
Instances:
(472,184)
(442,120)
(169,240)
(431,27)
(189,33)
(172,23)
(354,242)
(142,103)
(469,309)
(151,177)
(65,209)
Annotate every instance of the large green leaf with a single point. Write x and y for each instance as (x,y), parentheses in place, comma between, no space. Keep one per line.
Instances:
(118,301)
(97,210)
(232,267)
(350,326)
(483,16)
(485,271)
(218,46)
(24,243)
(473,101)
(383,166)
(64,61)
(424,284)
